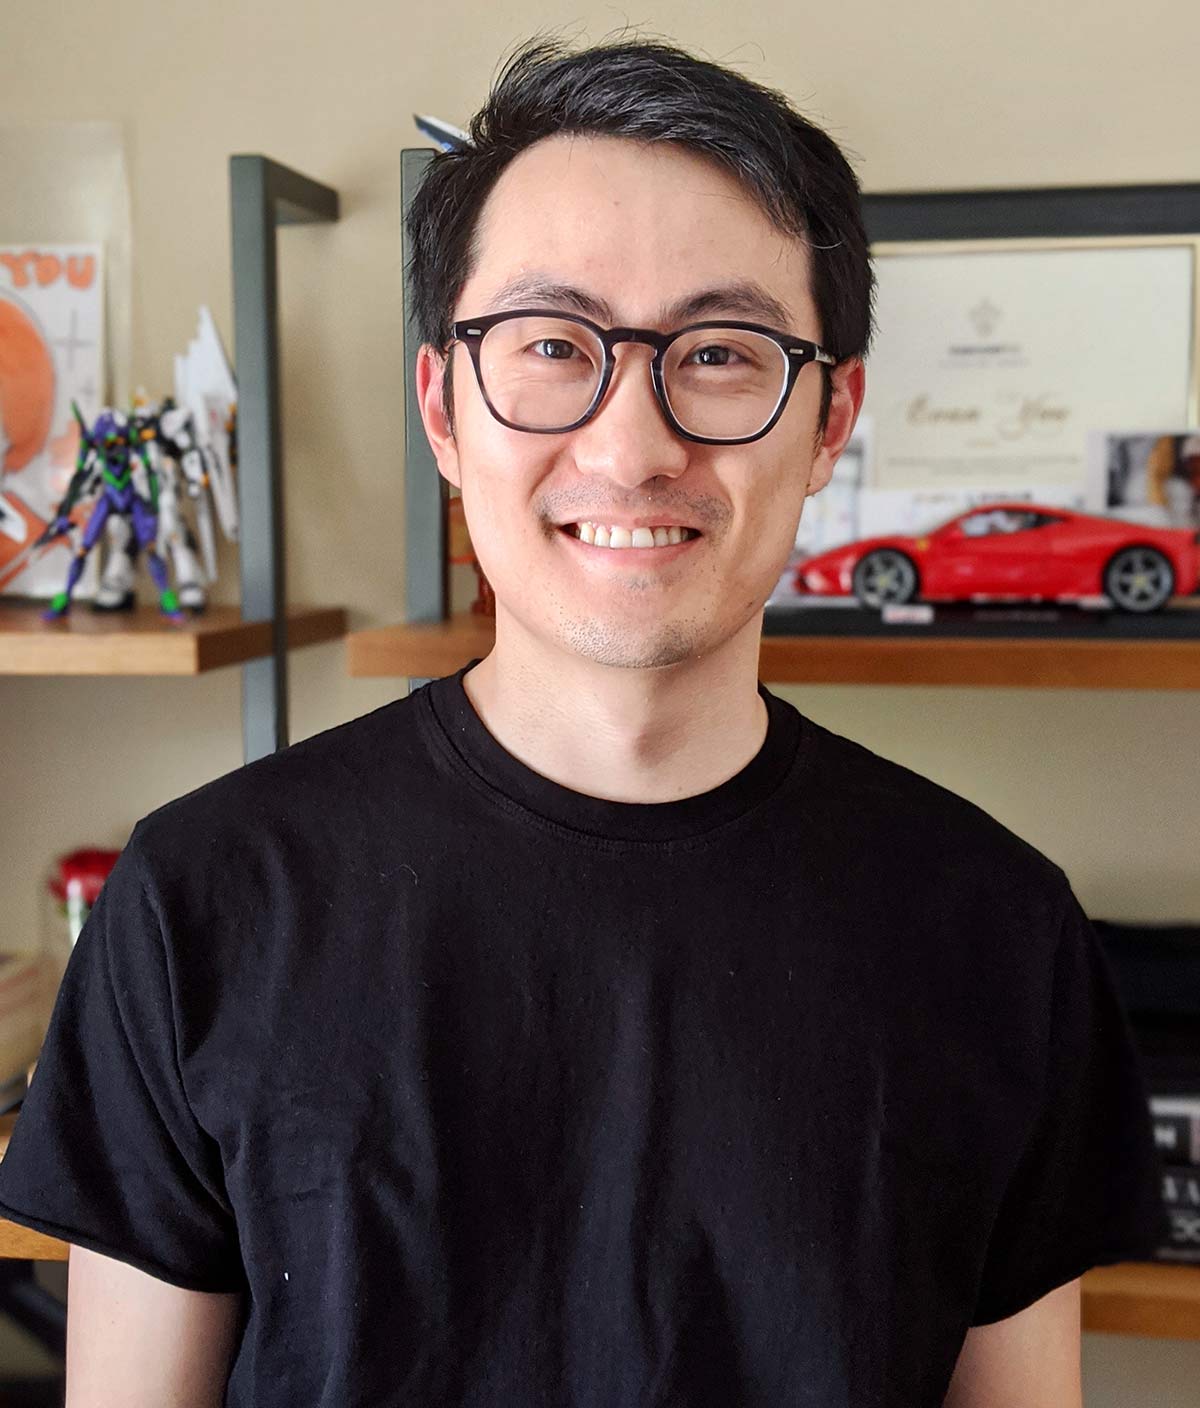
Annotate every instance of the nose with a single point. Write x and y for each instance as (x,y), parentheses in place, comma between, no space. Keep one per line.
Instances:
(628,439)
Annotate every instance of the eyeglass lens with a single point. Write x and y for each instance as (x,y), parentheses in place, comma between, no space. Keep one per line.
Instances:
(541,373)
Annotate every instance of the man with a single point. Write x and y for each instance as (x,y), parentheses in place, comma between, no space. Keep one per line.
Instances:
(590,1028)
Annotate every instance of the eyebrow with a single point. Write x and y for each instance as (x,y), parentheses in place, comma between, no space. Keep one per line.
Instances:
(743,298)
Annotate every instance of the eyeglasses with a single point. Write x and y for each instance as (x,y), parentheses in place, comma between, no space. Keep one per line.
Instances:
(718,383)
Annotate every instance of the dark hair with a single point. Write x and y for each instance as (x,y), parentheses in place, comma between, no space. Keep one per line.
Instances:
(649,92)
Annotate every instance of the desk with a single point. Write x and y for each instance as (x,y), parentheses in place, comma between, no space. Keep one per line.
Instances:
(1135,1298)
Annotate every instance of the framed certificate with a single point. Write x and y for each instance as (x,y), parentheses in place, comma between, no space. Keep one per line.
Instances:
(1015,331)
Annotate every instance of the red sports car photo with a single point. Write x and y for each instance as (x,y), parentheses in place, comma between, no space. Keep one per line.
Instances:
(1013,552)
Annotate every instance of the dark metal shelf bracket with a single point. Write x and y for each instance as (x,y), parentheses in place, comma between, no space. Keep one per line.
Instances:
(263,196)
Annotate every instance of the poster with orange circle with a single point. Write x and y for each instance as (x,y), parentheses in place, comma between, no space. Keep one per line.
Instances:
(51,353)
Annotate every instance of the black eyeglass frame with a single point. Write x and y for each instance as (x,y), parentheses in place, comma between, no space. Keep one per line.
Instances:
(798,353)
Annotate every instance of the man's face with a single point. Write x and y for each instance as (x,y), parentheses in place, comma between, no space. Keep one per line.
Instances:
(636,230)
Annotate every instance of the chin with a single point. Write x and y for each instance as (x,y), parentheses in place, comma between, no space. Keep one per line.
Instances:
(608,643)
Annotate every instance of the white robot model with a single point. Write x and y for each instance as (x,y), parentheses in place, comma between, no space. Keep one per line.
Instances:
(191,446)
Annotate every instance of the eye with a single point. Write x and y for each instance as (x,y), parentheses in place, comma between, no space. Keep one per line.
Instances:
(554,349)
(713,356)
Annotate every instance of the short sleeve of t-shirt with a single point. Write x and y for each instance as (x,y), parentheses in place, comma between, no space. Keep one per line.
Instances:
(1085,1188)
(106,1153)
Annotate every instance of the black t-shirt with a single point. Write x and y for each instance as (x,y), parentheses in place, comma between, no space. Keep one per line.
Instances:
(487,1093)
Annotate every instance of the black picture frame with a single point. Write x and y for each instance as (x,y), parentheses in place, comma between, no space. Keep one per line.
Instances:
(1051,213)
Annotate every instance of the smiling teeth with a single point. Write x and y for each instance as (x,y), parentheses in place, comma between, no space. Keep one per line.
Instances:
(602,536)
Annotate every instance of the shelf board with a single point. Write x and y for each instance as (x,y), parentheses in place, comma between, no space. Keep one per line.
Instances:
(430,650)
(143,642)
(1143,1298)
(425,651)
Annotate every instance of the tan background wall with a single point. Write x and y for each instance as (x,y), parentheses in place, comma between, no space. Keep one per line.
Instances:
(928,94)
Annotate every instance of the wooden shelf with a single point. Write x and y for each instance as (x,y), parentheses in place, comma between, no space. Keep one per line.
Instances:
(431,650)
(420,652)
(143,642)
(1143,1298)
(1040,664)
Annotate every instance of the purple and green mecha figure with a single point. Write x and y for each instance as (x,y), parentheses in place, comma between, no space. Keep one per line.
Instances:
(113,462)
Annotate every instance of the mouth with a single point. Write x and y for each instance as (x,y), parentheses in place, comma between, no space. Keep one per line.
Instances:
(605,535)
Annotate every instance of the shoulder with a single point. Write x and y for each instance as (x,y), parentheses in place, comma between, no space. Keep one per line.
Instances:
(323,792)
(244,881)
(956,916)
(911,838)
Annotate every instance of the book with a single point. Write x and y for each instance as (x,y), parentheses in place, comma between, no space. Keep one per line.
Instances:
(1177,1128)
(1181,1187)
(1181,1198)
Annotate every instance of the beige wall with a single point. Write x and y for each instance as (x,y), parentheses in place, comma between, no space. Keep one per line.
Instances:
(932,94)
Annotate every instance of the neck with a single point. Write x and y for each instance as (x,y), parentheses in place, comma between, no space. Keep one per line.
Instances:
(625,735)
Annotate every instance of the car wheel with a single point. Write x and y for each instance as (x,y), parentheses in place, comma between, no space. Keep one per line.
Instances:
(884,577)
(1139,579)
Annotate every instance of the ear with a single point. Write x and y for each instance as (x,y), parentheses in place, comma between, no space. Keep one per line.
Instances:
(432,366)
(849,380)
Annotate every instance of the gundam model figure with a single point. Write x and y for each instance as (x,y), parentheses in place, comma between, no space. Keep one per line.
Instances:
(445,135)
(191,443)
(114,464)
(144,466)
(185,463)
